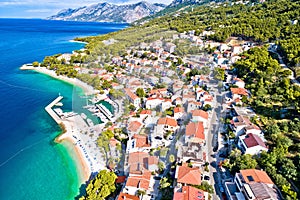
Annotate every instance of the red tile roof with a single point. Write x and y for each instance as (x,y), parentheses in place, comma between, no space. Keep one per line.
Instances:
(146,112)
(195,103)
(167,121)
(124,196)
(178,110)
(121,179)
(240,91)
(196,129)
(139,181)
(241,121)
(141,140)
(189,175)
(134,126)
(155,98)
(253,140)
(254,175)
(139,161)
(130,94)
(178,196)
(158,91)
(136,157)
(115,84)
(253,126)
(152,160)
(191,193)
(113,142)
(238,80)
(188,96)
(200,113)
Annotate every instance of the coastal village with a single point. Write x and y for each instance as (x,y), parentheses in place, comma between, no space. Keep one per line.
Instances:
(171,124)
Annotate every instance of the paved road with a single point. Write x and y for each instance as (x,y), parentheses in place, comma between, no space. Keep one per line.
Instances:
(214,138)
(283,65)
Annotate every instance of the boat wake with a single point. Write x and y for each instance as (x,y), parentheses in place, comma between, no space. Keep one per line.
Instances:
(21,150)
(21,87)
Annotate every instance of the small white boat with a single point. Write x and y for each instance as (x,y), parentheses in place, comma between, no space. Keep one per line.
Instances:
(90,122)
(83,116)
(59,104)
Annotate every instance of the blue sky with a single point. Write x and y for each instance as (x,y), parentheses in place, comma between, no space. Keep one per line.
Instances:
(45,8)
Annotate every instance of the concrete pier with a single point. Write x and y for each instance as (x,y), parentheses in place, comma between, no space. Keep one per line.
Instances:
(105,111)
(51,112)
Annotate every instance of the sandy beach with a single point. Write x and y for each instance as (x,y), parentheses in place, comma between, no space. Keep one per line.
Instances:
(79,137)
(83,168)
(85,147)
(88,90)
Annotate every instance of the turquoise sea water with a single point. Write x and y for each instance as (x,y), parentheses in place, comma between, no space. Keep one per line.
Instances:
(31,165)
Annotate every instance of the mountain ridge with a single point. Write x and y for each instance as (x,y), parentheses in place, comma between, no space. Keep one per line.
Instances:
(107,12)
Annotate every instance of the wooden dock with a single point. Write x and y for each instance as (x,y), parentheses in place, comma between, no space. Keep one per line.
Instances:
(51,112)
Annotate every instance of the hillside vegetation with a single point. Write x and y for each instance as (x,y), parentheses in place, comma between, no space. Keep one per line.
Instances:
(272,21)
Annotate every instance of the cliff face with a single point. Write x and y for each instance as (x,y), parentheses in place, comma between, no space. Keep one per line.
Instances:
(105,12)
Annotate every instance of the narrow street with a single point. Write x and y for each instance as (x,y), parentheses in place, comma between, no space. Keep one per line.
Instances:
(214,139)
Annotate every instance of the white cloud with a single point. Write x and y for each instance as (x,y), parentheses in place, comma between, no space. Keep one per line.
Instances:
(39,10)
(13,3)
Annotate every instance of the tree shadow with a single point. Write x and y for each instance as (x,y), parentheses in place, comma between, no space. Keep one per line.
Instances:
(84,185)
(217,185)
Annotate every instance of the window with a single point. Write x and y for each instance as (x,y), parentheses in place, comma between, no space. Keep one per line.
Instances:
(250,178)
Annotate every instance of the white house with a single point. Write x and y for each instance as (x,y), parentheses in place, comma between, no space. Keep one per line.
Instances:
(139,162)
(253,129)
(168,124)
(252,184)
(223,47)
(233,59)
(134,127)
(238,93)
(238,124)
(138,143)
(238,82)
(152,103)
(146,116)
(166,104)
(136,182)
(133,98)
(178,112)
(194,133)
(193,105)
(188,97)
(251,144)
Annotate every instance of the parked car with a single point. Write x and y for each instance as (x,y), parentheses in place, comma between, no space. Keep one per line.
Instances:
(221,188)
